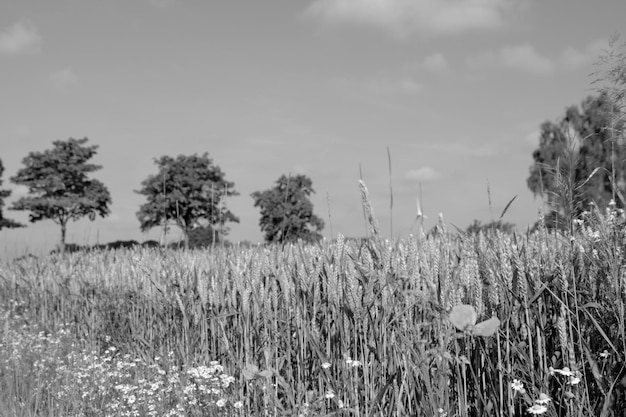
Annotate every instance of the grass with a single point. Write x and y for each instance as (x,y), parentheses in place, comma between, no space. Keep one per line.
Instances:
(359,328)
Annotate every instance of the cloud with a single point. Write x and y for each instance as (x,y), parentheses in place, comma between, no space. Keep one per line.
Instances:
(527,59)
(65,79)
(384,85)
(23,131)
(436,63)
(162,4)
(405,17)
(573,58)
(393,86)
(423,174)
(532,138)
(522,58)
(464,148)
(17,191)
(21,38)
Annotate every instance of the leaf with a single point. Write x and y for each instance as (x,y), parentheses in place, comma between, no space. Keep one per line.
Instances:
(265,374)
(507,206)
(250,371)
(486,328)
(463,316)
(595,370)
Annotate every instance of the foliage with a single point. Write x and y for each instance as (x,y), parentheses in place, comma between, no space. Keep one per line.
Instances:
(188,191)
(581,159)
(611,80)
(5,223)
(59,187)
(203,237)
(477,226)
(68,379)
(287,212)
(357,328)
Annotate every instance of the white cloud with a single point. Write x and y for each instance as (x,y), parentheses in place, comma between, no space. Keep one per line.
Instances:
(404,17)
(381,85)
(23,131)
(573,58)
(436,63)
(393,86)
(65,79)
(522,57)
(466,148)
(423,174)
(527,59)
(20,38)
(532,138)
(162,4)
(17,191)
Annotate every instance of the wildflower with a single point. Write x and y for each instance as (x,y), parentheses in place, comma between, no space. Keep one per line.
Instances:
(221,402)
(349,361)
(566,372)
(356,364)
(605,354)
(537,409)
(340,403)
(326,365)
(518,386)
(543,399)
(330,394)
(574,380)
(238,404)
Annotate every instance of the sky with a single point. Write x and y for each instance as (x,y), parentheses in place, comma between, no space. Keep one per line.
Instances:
(456,90)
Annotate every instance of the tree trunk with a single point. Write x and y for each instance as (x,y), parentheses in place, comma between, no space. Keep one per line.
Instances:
(63,230)
(186,237)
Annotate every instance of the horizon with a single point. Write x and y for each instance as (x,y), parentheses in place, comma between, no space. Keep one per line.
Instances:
(456,91)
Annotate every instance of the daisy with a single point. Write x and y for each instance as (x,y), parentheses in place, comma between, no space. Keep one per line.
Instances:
(543,399)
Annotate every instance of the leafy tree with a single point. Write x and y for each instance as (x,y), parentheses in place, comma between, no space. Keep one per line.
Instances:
(188,191)
(203,237)
(5,223)
(478,226)
(58,186)
(580,159)
(286,211)
(611,80)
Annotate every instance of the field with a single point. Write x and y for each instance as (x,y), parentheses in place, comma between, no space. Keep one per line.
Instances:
(349,327)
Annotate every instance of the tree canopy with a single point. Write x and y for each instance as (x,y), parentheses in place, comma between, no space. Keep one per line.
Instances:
(59,187)
(581,158)
(477,226)
(189,192)
(287,212)
(5,223)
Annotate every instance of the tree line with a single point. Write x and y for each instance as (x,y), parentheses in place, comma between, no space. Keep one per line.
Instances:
(578,166)
(189,191)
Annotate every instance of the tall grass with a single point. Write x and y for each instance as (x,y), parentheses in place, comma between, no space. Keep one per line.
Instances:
(345,328)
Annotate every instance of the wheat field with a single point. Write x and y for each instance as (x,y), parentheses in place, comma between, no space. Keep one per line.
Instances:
(348,327)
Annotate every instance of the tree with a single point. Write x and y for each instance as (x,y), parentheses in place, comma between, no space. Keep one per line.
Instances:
(188,191)
(286,211)
(58,186)
(478,226)
(580,159)
(5,223)
(203,237)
